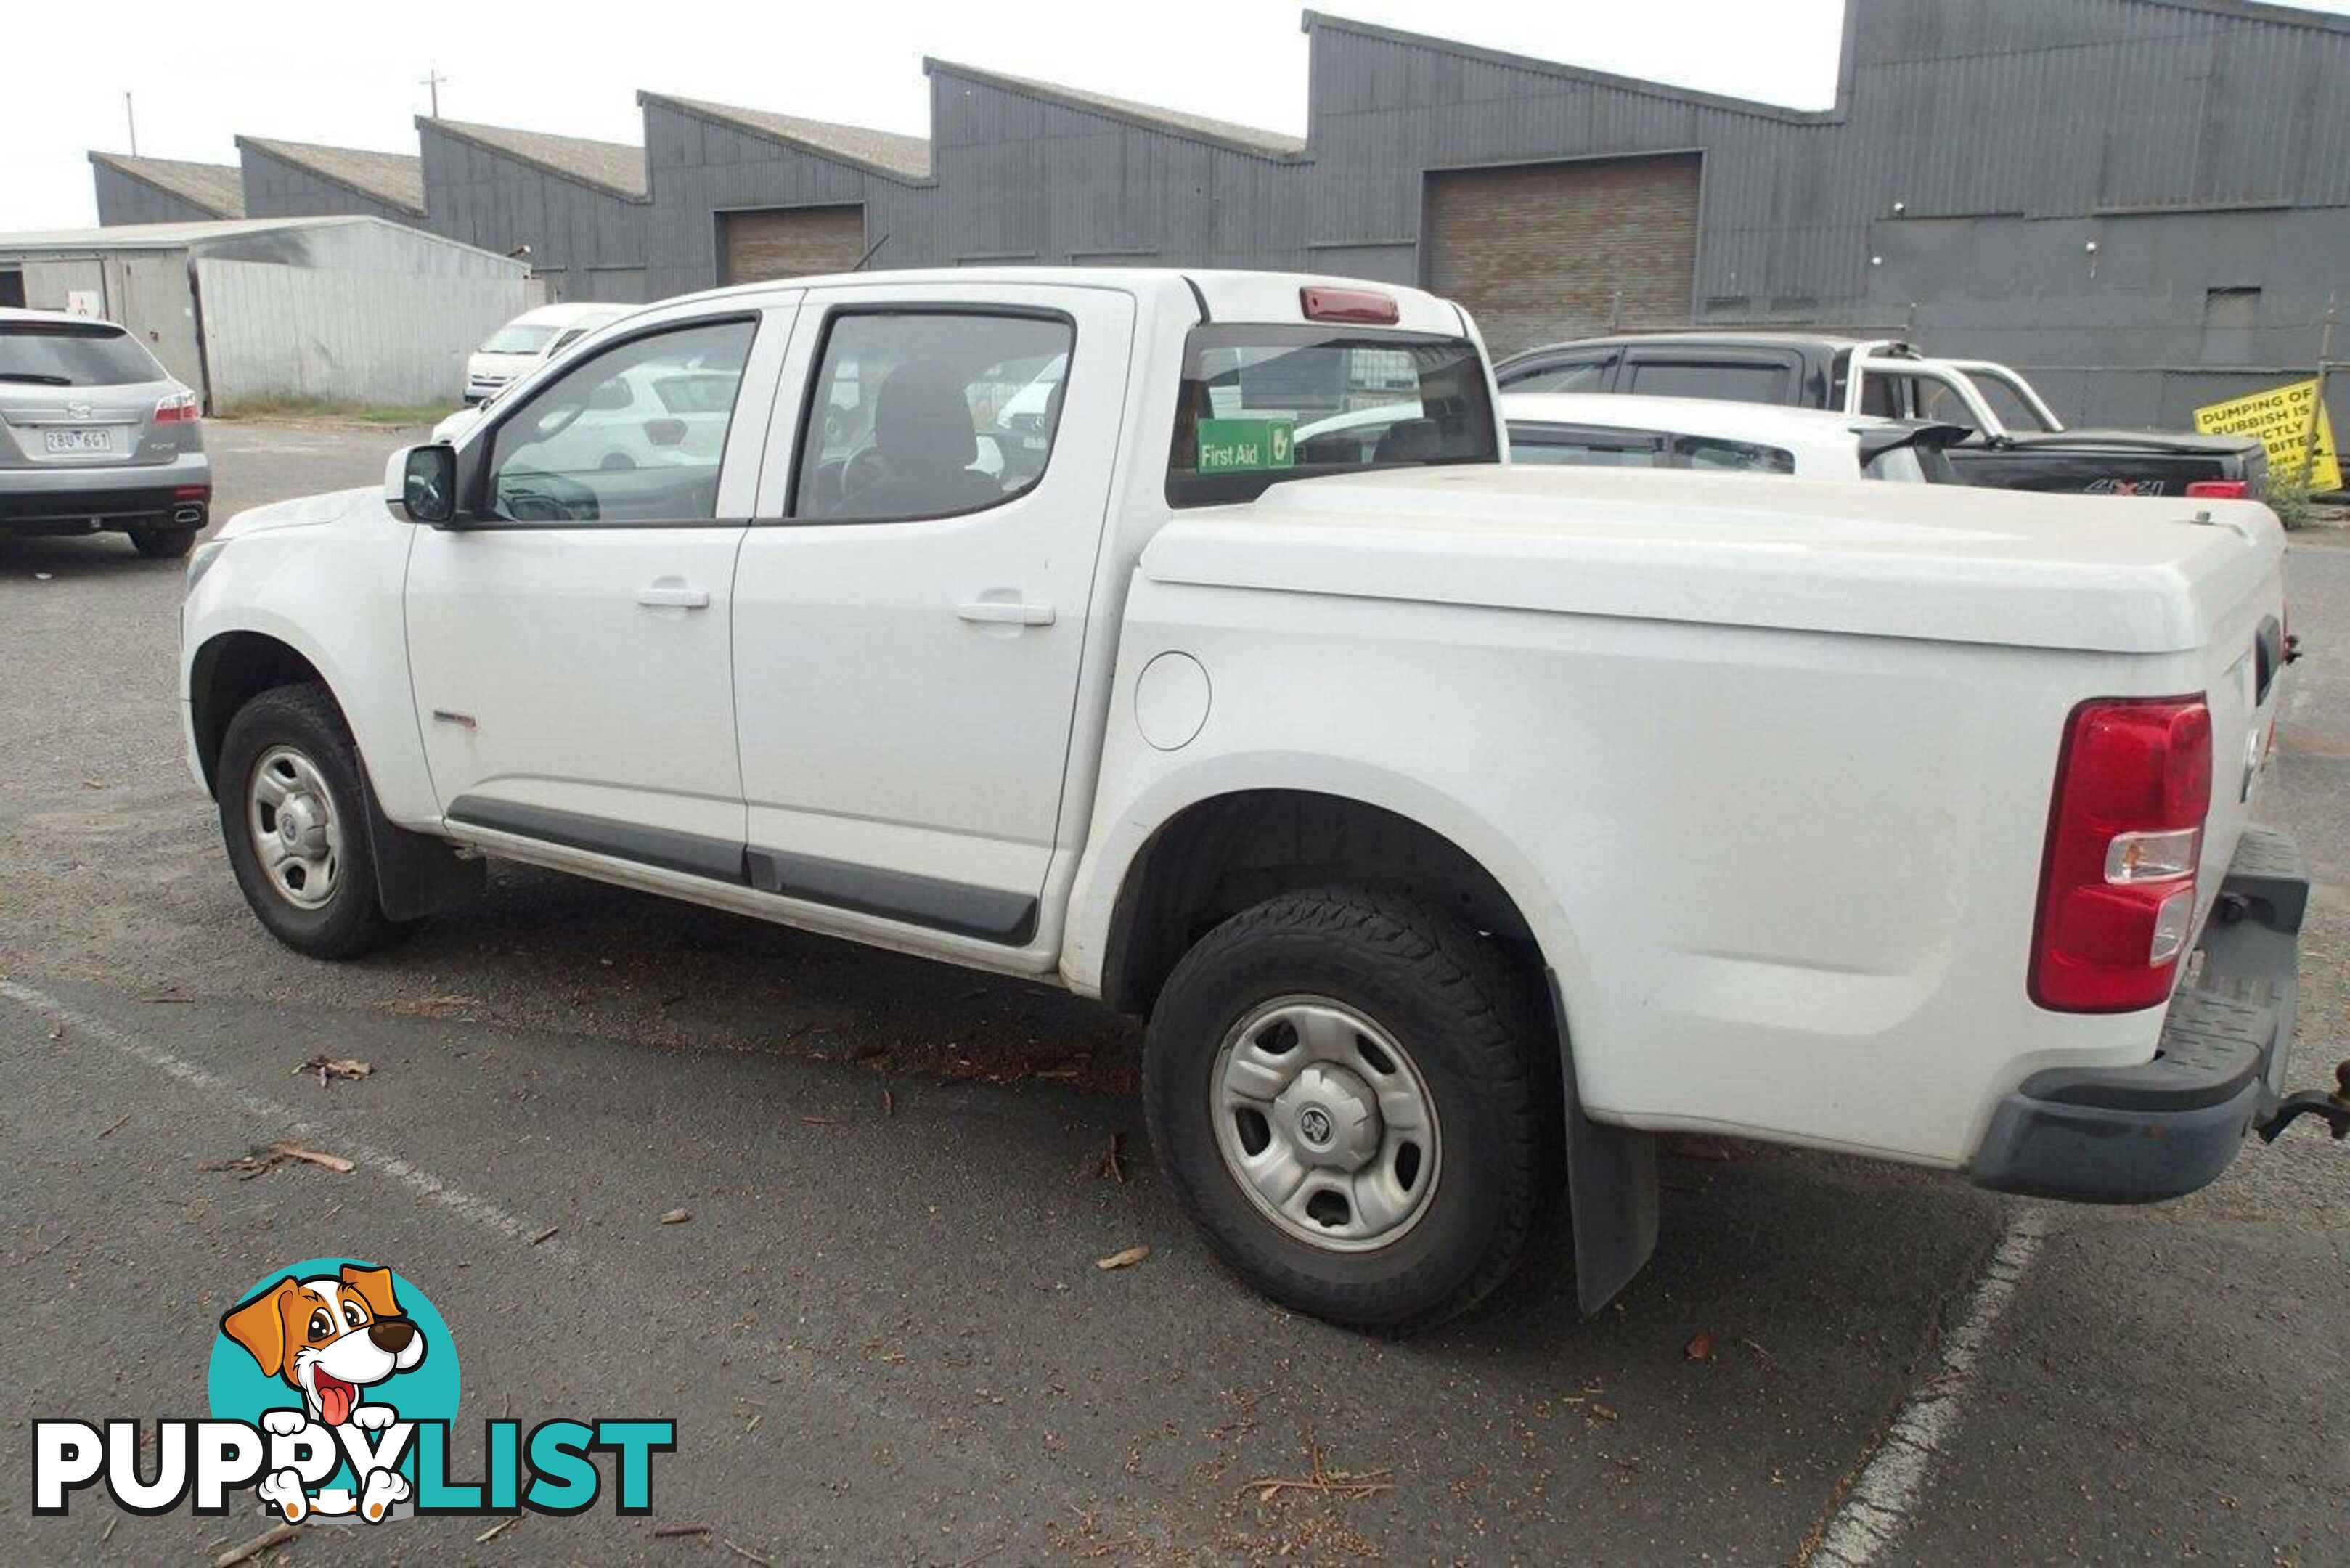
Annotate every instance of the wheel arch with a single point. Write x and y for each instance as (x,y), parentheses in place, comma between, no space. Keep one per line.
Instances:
(230,670)
(1226,851)
(1240,845)
(416,873)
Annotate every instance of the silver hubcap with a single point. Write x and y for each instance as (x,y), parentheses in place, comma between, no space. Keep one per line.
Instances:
(296,833)
(1326,1123)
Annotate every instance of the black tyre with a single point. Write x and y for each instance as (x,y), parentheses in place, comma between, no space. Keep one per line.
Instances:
(164,544)
(1377,1054)
(294,820)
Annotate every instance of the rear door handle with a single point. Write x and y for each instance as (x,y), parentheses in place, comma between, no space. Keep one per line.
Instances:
(1005,612)
(674,596)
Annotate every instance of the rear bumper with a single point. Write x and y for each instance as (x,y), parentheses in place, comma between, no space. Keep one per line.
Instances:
(113,493)
(2165,1128)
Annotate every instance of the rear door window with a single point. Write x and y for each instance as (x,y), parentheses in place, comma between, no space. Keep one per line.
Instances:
(1576,446)
(1260,404)
(930,413)
(73,354)
(1737,380)
(1718,456)
(1589,375)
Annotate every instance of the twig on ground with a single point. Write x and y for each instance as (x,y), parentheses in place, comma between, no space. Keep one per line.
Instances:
(256,1546)
(1349,1485)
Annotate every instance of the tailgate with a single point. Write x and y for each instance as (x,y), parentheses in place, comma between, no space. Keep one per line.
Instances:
(2243,682)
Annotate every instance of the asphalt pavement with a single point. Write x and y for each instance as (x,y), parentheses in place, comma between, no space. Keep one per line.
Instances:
(880,1328)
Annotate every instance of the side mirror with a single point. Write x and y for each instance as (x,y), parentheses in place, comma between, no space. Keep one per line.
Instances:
(422,480)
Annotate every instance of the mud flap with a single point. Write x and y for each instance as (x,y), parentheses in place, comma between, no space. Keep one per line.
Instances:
(416,873)
(1611,1186)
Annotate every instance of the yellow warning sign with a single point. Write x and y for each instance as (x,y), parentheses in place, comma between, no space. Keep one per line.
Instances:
(2280,418)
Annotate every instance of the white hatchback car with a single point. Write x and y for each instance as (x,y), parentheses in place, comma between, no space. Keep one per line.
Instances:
(529,340)
(1596,430)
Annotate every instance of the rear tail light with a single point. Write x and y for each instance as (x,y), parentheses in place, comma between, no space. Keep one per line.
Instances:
(1368,305)
(178,409)
(2218,490)
(2118,889)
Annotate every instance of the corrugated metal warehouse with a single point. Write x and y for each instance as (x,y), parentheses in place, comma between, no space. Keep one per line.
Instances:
(2142,203)
(260,310)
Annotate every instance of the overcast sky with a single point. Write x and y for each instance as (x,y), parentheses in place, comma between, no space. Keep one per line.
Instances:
(350,74)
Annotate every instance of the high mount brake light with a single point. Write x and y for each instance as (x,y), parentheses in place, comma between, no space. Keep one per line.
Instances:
(1367,305)
(2218,490)
(2117,886)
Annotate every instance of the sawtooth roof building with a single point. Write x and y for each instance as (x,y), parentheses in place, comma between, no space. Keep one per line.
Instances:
(2142,203)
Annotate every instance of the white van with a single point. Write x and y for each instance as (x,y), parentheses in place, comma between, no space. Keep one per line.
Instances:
(516,349)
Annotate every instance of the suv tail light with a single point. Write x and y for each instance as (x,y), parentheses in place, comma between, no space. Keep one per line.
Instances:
(180,408)
(1368,305)
(2117,887)
(2218,490)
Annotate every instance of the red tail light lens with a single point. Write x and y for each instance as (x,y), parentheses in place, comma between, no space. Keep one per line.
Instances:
(2218,490)
(2118,889)
(177,410)
(1368,305)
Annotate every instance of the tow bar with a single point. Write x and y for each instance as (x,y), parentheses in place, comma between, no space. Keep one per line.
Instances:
(2335,1107)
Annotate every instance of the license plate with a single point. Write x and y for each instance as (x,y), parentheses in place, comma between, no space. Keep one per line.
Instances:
(78,440)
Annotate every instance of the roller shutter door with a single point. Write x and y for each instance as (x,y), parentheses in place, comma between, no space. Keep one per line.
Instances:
(1543,252)
(788,241)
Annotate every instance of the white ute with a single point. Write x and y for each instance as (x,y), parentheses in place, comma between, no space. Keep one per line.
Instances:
(1457,826)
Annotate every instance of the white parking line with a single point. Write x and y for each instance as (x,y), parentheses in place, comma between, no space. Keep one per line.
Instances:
(434,1189)
(1881,1500)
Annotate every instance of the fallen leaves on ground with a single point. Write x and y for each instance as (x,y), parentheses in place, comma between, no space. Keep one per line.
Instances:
(331,1067)
(675,1217)
(1125,1257)
(1700,1345)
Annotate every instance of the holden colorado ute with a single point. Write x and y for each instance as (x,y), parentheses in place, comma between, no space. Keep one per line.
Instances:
(1455,826)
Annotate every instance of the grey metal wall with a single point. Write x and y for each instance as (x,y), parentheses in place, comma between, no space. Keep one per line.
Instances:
(275,188)
(586,242)
(123,199)
(277,333)
(1022,178)
(1977,151)
(704,167)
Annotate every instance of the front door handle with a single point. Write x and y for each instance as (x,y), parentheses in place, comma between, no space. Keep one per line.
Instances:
(1005,612)
(674,596)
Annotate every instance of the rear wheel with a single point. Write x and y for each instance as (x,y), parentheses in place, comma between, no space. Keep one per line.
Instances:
(164,544)
(1346,1091)
(294,820)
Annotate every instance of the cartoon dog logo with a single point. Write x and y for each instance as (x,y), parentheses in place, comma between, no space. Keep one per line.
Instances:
(330,1338)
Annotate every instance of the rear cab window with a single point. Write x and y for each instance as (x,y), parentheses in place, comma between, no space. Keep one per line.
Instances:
(1262,403)
(73,354)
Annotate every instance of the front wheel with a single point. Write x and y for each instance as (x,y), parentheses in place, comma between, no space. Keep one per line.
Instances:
(294,820)
(1348,1091)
